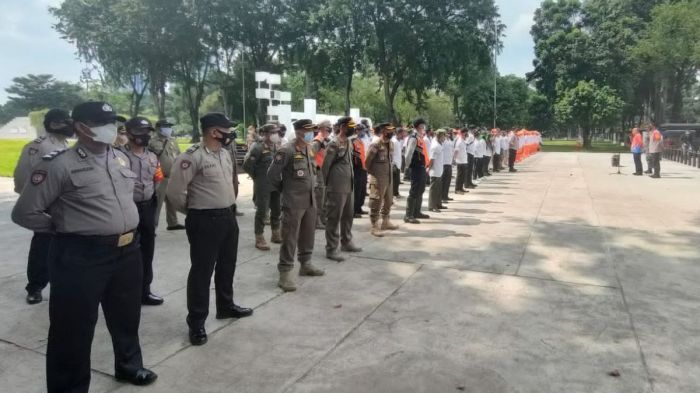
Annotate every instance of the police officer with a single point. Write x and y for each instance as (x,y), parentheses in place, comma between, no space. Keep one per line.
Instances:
(85,196)
(231,148)
(144,164)
(256,164)
(379,167)
(166,149)
(59,127)
(318,147)
(202,186)
(338,172)
(417,159)
(292,174)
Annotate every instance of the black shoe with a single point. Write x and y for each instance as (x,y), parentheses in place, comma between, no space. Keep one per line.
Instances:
(472,186)
(198,336)
(234,311)
(512,170)
(442,207)
(655,176)
(151,300)
(449,199)
(34,297)
(460,192)
(648,172)
(410,220)
(637,174)
(177,227)
(141,377)
(423,216)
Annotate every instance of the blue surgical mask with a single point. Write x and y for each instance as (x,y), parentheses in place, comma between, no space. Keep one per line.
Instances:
(309,137)
(166,131)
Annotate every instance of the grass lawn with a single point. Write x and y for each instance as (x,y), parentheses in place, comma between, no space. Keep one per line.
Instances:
(9,154)
(560,145)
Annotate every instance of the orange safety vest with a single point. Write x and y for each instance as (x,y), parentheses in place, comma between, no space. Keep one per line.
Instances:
(321,154)
(421,143)
(359,151)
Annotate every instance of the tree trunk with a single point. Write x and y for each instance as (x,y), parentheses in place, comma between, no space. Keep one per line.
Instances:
(348,88)
(389,100)
(586,134)
(158,95)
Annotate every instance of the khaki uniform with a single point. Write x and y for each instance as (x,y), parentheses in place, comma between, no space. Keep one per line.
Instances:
(202,185)
(166,150)
(318,147)
(378,163)
(339,178)
(292,174)
(31,156)
(256,164)
(202,179)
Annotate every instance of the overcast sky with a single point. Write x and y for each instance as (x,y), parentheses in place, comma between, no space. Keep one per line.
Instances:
(30,46)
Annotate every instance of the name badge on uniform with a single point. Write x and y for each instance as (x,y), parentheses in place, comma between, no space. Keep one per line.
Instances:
(300,173)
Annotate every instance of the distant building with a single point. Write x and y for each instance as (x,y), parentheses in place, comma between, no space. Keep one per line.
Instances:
(19,128)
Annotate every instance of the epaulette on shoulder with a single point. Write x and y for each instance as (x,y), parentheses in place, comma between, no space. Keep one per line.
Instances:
(53,154)
(39,139)
(192,149)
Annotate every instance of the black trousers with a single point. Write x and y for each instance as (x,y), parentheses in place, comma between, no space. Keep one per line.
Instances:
(360,188)
(638,163)
(461,176)
(396,178)
(87,271)
(213,237)
(485,162)
(415,194)
(38,262)
(478,167)
(147,235)
(446,181)
(496,162)
(470,170)
(511,158)
(656,163)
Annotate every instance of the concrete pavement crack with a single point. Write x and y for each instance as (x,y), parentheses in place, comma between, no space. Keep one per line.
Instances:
(611,261)
(323,357)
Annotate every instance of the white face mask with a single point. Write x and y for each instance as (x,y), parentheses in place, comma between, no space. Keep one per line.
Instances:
(166,131)
(275,138)
(105,134)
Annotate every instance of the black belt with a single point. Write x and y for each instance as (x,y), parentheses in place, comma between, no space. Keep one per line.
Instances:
(213,212)
(121,240)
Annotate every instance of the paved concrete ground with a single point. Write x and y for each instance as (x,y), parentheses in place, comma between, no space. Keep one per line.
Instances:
(541,281)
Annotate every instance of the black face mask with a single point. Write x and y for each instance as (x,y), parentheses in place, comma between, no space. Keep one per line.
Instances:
(142,140)
(350,132)
(227,138)
(65,131)
(388,136)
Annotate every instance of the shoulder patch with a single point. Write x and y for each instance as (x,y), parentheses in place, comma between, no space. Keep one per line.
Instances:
(38,177)
(81,152)
(53,154)
(32,150)
(184,164)
(192,149)
(39,139)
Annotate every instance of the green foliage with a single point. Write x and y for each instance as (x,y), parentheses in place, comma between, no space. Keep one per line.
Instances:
(10,150)
(588,106)
(34,92)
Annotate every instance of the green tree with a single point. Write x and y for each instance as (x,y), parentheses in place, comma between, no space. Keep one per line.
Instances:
(34,92)
(588,106)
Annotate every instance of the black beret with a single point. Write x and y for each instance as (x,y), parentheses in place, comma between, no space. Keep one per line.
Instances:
(419,121)
(383,126)
(98,112)
(305,124)
(215,119)
(138,125)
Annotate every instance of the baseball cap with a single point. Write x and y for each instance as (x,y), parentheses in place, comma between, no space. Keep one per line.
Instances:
(305,124)
(215,119)
(138,125)
(98,112)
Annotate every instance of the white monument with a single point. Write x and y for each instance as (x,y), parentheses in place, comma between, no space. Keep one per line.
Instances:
(279,107)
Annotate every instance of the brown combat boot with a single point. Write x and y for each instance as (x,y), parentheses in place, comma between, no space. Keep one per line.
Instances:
(276,236)
(286,282)
(308,269)
(375,230)
(260,243)
(387,225)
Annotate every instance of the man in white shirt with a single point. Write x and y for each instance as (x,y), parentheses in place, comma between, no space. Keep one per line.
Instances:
(470,141)
(435,171)
(478,156)
(397,159)
(504,149)
(462,161)
(448,151)
(497,152)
